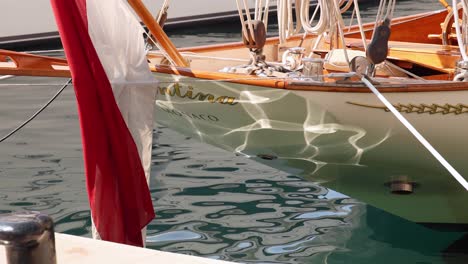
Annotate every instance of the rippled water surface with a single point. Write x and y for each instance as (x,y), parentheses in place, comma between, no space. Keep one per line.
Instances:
(209,202)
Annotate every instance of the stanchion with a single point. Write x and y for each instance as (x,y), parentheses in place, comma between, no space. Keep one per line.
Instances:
(28,238)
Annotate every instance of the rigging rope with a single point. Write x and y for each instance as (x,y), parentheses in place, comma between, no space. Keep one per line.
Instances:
(388,9)
(249,19)
(465,22)
(416,134)
(340,25)
(266,12)
(285,18)
(346,6)
(150,37)
(164,8)
(37,113)
(461,44)
(258,15)
(242,20)
(323,22)
(163,51)
(327,14)
(361,27)
(195,80)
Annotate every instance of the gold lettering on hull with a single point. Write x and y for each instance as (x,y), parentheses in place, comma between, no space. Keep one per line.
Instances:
(432,109)
(176,90)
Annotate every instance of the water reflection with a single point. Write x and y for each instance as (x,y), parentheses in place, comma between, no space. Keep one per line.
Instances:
(321,137)
(242,212)
(219,206)
(213,204)
(209,203)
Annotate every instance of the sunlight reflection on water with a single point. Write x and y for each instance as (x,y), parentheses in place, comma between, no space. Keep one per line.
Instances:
(209,202)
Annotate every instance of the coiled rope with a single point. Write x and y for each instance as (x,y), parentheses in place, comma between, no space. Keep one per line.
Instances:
(286,25)
(461,43)
(328,14)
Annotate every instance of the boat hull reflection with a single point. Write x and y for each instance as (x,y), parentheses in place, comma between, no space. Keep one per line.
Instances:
(347,142)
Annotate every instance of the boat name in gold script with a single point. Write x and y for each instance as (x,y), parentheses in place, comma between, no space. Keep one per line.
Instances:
(176,90)
(444,109)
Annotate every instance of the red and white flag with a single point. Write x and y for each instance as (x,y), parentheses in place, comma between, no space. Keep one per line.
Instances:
(115,91)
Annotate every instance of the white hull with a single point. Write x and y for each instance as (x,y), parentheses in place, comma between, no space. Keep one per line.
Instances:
(343,140)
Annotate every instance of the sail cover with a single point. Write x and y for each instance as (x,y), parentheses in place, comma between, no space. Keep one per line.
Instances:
(115,91)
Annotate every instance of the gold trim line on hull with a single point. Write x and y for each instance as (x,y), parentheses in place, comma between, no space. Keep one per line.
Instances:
(431,109)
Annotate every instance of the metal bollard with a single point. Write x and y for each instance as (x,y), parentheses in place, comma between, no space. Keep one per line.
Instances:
(28,238)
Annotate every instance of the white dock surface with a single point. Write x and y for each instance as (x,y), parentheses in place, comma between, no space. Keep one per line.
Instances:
(80,250)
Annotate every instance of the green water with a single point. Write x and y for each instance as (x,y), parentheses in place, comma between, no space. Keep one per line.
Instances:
(209,202)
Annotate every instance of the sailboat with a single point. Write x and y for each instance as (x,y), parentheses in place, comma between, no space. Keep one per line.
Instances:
(44,30)
(311,104)
(328,126)
(182,14)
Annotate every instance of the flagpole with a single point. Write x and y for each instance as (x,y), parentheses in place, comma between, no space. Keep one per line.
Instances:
(157,32)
